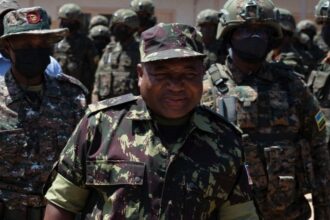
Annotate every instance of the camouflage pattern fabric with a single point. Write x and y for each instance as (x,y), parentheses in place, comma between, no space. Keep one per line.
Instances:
(319,83)
(286,150)
(117,154)
(116,73)
(159,40)
(31,139)
(78,58)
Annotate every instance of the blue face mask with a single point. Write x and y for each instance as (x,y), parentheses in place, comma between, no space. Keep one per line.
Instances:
(31,62)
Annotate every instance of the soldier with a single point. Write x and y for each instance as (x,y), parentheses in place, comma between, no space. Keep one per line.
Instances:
(322,18)
(116,73)
(98,20)
(76,52)
(145,10)
(285,149)
(285,52)
(207,22)
(159,156)
(53,68)
(100,36)
(319,81)
(38,112)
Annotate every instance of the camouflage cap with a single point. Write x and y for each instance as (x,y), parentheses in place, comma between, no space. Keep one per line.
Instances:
(168,41)
(6,5)
(30,21)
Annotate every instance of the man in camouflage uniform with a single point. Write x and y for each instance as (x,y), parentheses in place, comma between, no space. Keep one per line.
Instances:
(207,22)
(100,36)
(286,150)
(116,73)
(304,43)
(157,157)
(38,112)
(285,52)
(145,10)
(76,53)
(319,81)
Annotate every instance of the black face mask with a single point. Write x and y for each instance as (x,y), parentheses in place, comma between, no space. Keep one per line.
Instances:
(32,62)
(326,34)
(100,44)
(72,26)
(252,49)
(121,34)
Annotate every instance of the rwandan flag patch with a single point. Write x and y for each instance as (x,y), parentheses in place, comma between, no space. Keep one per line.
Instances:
(320,120)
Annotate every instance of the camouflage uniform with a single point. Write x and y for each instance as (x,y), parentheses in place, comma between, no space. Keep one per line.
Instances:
(286,152)
(319,81)
(116,72)
(214,50)
(118,163)
(76,53)
(34,125)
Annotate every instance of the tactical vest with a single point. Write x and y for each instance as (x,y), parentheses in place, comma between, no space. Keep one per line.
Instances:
(264,111)
(116,74)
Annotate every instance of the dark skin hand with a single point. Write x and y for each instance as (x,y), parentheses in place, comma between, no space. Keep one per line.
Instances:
(54,212)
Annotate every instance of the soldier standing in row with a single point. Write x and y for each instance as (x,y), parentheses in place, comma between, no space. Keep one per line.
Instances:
(38,112)
(116,73)
(76,53)
(286,150)
(159,156)
(145,11)
(100,35)
(207,23)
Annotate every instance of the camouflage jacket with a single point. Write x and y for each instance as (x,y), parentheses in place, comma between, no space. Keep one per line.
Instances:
(286,154)
(117,155)
(116,73)
(78,57)
(31,140)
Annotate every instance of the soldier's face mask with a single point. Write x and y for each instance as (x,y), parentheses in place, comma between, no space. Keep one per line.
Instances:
(250,44)
(121,33)
(209,31)
(72,26)
(326,33)
(31,62)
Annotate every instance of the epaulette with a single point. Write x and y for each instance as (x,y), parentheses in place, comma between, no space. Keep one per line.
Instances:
(282,70)
(72,80)
(224,120)
(108,103)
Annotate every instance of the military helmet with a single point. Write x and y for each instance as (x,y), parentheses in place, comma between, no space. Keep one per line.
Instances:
(207,16)
(236,13)
(143,6)
(70,11)
(322,11)
(286,20)
(126,17)
(98,20)
(99,31)
(307,25)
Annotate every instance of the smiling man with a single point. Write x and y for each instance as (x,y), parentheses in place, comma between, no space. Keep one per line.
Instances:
(159,156)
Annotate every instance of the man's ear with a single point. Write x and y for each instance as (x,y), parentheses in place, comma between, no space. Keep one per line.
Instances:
(139,69)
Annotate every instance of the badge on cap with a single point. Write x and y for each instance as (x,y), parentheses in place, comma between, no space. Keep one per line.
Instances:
(320,120)
(33,17)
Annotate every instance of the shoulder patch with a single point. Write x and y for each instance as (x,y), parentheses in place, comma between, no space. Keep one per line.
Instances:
(108,103)
(72,80)
(225,121)
(320,120)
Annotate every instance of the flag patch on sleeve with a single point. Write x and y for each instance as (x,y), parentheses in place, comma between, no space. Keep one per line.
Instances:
(320,120)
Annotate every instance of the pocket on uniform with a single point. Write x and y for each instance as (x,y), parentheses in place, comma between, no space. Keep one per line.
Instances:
(281,174)
(107,172)
(11,142)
